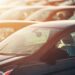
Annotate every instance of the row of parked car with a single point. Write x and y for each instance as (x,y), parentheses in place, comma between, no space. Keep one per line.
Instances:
(37,2)
(41,13)
(37,37)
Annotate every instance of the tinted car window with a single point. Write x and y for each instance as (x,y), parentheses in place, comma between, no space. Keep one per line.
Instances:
(67,44)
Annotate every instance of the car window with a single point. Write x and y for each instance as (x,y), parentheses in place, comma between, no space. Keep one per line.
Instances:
(67,44)
(26,41)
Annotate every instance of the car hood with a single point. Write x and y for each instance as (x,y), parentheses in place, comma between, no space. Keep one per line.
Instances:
(8,58)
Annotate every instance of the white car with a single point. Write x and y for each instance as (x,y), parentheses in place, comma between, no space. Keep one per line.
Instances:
(46,47)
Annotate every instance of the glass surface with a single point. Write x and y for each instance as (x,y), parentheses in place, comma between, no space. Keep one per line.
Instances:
(67,44)
(25,41)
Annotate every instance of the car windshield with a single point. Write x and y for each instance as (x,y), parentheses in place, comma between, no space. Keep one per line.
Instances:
(25,41)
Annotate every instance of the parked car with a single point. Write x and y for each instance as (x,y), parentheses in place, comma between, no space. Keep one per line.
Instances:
(35,13)
(21,13)
(36,2)
(50,2)
(41,49)
(50,14)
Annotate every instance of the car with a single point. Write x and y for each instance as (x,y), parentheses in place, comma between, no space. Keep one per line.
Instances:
(53,13)
(36,2)
(35,13)
(40,49)
(50,2)
(20,12)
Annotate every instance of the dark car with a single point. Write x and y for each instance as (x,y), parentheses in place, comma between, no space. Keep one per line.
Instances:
(40,49)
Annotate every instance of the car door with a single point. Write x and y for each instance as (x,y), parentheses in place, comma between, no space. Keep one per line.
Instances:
(65,66)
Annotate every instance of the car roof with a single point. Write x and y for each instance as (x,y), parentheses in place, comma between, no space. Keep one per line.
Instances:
(55,24)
